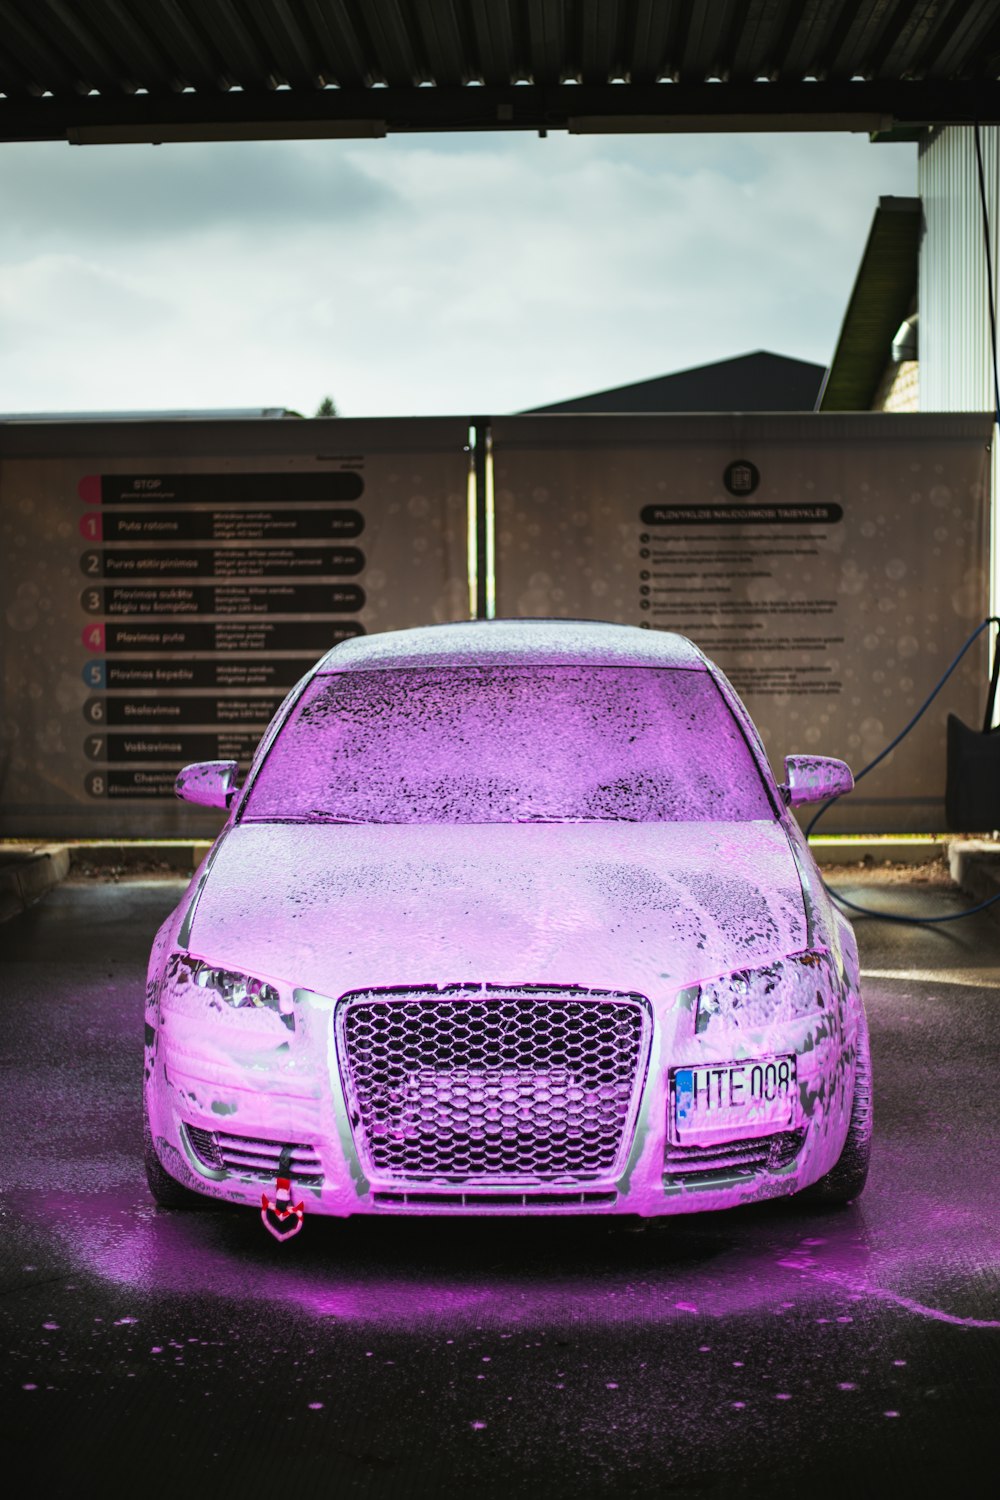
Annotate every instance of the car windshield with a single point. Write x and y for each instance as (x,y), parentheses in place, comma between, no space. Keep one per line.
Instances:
(510,744)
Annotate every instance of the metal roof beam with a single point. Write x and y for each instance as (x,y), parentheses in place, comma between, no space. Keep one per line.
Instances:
(579,108)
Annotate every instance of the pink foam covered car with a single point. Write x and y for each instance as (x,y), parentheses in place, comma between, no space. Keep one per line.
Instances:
(508,917)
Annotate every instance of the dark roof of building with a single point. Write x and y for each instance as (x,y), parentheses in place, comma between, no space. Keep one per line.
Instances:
(100,70)
(749,382)
(883,294)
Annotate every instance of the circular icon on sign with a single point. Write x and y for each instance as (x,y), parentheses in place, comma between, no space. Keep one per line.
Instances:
(741,477)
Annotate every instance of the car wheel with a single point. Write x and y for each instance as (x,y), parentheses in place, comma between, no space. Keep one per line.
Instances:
(167,1192)
(847,1177)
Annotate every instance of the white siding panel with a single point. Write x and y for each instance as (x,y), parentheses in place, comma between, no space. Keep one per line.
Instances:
(956,364)
(955,357)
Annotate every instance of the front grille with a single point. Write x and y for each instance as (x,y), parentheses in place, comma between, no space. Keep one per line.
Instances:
(733,1159)
(491,1084)
(247,1156)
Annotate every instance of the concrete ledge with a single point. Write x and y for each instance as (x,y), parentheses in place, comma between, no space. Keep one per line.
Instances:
(975,866)
(915,849)
(181,856)
(27,873)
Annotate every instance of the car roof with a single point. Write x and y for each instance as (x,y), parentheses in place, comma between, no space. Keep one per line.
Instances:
(543,642)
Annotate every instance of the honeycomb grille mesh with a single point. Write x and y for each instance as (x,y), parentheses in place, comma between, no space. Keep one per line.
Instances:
(506,1088)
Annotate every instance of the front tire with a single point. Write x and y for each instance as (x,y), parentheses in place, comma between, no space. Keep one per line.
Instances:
(847,1177)
(167,1192)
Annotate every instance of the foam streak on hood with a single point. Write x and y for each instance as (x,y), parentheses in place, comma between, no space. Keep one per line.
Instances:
(632,906)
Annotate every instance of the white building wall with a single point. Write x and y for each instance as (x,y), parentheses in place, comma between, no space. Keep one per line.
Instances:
(956,369)
(955,359)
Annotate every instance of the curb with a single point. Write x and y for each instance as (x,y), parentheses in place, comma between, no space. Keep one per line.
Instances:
(120,857)
(27,874)
(917,849)
(975,867)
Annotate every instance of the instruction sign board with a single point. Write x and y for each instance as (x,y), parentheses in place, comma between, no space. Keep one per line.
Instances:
(831,565)
(164,584)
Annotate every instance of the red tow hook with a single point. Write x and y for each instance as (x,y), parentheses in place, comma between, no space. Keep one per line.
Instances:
(281,1216)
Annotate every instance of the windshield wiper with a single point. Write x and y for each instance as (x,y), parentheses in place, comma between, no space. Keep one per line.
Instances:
(585,818)
(309,819)
(354,822)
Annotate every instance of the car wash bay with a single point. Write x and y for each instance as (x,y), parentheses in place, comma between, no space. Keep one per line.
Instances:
(772,1350)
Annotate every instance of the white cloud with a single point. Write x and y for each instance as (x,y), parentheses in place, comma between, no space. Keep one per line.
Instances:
(100,195)
(425,275)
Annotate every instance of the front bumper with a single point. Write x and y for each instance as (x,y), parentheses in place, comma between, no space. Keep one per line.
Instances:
(235,1100)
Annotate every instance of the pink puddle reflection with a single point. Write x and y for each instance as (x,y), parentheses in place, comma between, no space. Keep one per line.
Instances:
(531,1271)
(768,1260)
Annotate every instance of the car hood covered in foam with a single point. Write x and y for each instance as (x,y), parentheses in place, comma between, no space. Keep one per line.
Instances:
(625,906)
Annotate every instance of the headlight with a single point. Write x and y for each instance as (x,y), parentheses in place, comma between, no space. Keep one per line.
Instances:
(239,990)
(798,985)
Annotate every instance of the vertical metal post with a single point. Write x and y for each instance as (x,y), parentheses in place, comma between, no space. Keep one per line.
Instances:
(480,439)
(471,523)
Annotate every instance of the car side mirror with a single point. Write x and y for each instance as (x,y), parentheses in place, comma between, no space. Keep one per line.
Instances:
(814,778)
(210,783)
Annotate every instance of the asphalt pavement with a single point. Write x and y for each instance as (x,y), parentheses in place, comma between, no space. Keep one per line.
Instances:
(771,1351)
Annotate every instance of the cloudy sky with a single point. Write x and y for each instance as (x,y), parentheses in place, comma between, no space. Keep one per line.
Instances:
(420,275)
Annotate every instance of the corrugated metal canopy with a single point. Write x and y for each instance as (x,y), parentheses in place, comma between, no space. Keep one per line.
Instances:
(184,69)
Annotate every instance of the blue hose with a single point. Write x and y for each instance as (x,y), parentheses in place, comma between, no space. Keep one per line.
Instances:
(889,916)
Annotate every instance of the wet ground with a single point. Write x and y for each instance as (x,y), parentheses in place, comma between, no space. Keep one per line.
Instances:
(772,1351)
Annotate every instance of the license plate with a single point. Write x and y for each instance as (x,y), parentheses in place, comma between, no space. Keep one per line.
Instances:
(731,1099)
